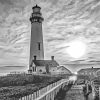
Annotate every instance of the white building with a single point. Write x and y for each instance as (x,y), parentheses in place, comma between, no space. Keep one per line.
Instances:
(44,66)
(93,72)
(63,70)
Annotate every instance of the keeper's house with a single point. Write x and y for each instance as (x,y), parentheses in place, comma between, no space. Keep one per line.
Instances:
(44,66)
(63,70)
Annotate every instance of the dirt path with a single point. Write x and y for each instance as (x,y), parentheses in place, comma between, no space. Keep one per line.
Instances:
(76,94)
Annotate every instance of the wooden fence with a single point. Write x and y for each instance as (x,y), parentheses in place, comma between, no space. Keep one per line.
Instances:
(46,93)
(96,91)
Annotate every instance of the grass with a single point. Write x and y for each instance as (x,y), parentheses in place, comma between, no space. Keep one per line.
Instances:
(22,85)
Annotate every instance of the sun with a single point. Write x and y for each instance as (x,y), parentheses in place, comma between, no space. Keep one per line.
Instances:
(76,49)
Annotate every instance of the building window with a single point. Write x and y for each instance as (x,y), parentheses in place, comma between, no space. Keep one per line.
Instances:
(40,70)
(39,46)
(33,69)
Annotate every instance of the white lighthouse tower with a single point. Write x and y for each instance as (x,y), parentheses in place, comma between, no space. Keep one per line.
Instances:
(36,42)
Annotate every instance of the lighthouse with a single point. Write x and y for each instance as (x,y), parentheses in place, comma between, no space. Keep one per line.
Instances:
(37,64)
(36,41)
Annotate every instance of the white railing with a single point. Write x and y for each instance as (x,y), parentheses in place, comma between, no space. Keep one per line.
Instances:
(48,92)
(99,92)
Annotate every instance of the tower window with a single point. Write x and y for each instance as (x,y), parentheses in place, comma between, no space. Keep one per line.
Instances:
(33,69)
(39,46)
(40,70)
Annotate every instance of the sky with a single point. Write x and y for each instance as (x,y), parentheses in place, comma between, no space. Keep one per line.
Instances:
(64,21)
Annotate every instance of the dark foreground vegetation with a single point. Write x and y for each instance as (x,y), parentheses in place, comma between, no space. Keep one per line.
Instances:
(22,85)
(81,79)
(62,92)
(96,81)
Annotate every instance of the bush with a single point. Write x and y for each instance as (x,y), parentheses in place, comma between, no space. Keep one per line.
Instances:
(22,85)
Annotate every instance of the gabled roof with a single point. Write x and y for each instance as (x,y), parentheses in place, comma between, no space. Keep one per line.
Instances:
(51,63)
(89,70)
(63,68)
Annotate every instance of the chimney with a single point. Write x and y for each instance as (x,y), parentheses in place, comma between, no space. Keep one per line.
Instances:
(34,57)
(52,57)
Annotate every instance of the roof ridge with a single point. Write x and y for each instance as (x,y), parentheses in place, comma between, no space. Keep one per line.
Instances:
(45,62)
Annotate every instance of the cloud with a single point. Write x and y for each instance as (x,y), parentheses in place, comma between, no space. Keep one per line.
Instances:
(65,20)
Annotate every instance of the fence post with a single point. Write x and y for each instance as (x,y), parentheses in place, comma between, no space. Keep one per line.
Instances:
(99,92)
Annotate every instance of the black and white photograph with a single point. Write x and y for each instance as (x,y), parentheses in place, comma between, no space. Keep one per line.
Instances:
(49,49)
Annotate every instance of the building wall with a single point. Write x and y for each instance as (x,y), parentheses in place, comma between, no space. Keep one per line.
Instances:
(40,69)
(53,69)
(88,73)
(63,72)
